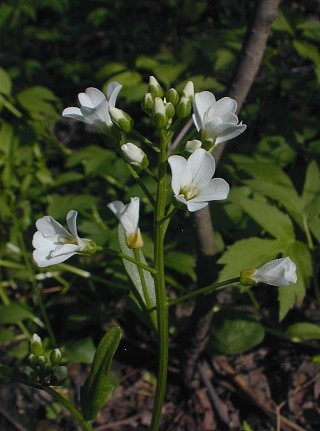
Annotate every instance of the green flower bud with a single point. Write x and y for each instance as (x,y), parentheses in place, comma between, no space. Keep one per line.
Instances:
(41,360)
(45,370)
(183,108)
(170,111)
(154,87)
(33,359)
(134,155)
(121,119)
(188,91)
(36,345)
(59,376)
(55,356)
(159,113)
(29,374)
(245,277)
(88,247)
(147,103)
(172,96)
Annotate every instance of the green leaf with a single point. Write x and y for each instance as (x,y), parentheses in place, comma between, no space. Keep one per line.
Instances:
(132,270)
(39,102)
(14,313)
(181,262)
(234,332)
(267,216)
(6,374)
(5,83)
(311,191)
(80,351)
(98,388)
(303,331)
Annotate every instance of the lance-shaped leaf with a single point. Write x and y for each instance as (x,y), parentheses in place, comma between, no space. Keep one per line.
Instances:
(98,388)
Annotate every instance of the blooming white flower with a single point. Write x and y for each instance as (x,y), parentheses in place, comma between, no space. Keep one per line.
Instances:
(278,272)
(216,118)
(133,154)
(128,216)
(54,244)
(94,108)
(192,181)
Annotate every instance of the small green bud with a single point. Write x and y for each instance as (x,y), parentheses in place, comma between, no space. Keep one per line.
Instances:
(172,96)
(88,246)
(154,87)
(41,360)
(170,111)
(45,370)
(188,91)
(29,374)
(121,119)
(159,113)
(55,356)
(59,376)
(33,359)
(36,345)
(147,103)
(183,108)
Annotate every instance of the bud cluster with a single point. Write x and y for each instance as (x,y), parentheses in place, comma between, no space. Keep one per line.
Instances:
(162,109)
(43,369)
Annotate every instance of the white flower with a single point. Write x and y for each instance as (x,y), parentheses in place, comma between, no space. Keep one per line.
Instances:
(54,244)
(133,154)
(216,119)
(278,272)
(128,216)
(94,108)
(192,182)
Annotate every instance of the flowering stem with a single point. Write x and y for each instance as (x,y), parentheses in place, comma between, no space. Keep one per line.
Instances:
(86,426)
(161,297)
(141,184)
(146,296)
(144,140)
(130,259)
(206,289)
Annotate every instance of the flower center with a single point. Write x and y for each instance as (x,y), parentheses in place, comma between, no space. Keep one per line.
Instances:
(189,191)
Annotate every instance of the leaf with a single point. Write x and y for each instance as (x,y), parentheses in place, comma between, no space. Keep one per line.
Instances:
(267,216)
(303,331)
(132,270)
(181,262)
(98,388)
(234,332)
(5,83)
(39,102)
(311,191)
(80,351)
(14,313)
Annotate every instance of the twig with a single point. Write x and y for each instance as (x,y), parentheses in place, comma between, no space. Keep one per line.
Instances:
(114,425)
(11,421)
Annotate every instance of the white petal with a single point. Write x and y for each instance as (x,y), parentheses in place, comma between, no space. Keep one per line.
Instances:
(72,222)
(130,216)
(73,112)
(45,242)
(112,92)
(178,165)
(191,205)
(226,104)
(96,96)
(202,166)
(217,189)
(230,117)
(117,208)
(278,272)
(65,249)
(85,100)
(231,132)
(48,226)
(44,259)
(202,102)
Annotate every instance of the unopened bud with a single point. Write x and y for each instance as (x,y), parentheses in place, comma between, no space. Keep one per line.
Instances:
(36,345)
(159,113)
(154,87)
(183,108)
(188,91)
(121,119)
(59,375)
(41,360)
(147,103)
(245,277)
(172,96)
(29,374)
(170,111)
(192,146)
(55,356)
(134,155)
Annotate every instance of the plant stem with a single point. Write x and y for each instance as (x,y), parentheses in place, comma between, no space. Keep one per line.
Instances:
(206,289)
(86,426)
(130,259)
(161,297)
(141,184)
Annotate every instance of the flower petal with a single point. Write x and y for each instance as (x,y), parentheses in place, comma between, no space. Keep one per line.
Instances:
(48,226)
(112,92)
(44,259)
(224,105)
(230,132)
(96,96)
(130,216)
(217,189)
(73,112)
(178,165)
(72,223)
(117,208)
(201,164)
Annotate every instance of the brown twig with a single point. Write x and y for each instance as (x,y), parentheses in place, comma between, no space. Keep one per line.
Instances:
(250,60)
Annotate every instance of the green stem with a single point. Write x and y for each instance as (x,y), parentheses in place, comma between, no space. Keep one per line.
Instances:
(141,184)
(161,297)
(146,296)
(144,140)
(308,234)
(86,426)
(206,289)
(130,259)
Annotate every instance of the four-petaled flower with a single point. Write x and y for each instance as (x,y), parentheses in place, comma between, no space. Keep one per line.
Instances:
(216,118)
(278,272)
(192,181)
(94,108)
(128,216)
(54,244)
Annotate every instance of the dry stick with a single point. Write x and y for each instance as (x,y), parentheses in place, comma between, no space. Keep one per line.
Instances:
(195,337)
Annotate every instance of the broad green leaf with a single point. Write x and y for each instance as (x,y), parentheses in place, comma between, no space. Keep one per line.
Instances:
(248,253)
(181,262)
(270,218)
(303,331)
(281,23)
(234,332)
(110,69)
(80,351)
(132,271)
(286,298)
(5,83)
(39,102)
(311,191)
(59,205)
(14,313)
(310,29)
(145,62)
(95,160)
(307,50)
(98,388)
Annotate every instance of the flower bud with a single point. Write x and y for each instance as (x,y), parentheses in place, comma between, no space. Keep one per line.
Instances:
(45,370)
(59,376)
(188,91)
(147,103)
(89,247)
(245,277)
(55,356)
(41,360)
(134,155)
(172,96)
(154,87)
(192,146)
(36,345)
(29,374)
(183,108)
(159,113)
(121,119)
(170,111)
